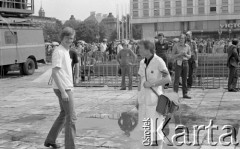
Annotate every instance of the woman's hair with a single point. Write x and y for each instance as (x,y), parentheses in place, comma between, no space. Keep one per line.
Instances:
(148,45)
(185,37)
(67,31)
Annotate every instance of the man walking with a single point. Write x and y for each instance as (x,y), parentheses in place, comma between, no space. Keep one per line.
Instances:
(232,63)
(125,58)
(63,88)
(193,61)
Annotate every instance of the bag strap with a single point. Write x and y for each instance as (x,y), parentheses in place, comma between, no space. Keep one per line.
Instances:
(146,80)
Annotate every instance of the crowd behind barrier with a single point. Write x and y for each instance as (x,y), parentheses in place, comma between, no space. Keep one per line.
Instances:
(99,68)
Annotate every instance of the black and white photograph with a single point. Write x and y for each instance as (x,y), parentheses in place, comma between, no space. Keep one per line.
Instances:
(119,74)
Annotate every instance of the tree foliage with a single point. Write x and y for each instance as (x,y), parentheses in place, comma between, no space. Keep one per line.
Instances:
(51,31)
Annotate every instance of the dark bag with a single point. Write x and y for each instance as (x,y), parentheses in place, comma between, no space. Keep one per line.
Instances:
(164,106)
(119,71)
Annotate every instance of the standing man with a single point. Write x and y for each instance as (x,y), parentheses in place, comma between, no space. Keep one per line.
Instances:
(181,55)
(63,88)
(193,61)
(161,50)
(125,58)
(232,63)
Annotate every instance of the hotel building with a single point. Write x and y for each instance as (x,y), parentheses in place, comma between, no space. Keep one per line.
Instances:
(205,18)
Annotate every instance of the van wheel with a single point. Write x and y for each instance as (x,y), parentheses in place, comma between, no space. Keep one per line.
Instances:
(29,67)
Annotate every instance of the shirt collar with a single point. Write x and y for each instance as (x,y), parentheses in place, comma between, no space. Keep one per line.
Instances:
(147,61)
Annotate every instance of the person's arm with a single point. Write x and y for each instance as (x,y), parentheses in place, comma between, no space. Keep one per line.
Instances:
(133,55)
(139,83)
(188,54)
(174,53)
(235,54)
(119,57)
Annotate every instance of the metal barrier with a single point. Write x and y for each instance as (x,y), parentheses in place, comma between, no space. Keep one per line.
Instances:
(211,73)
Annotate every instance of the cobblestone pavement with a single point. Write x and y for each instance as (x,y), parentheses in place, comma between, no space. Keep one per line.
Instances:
(29,107)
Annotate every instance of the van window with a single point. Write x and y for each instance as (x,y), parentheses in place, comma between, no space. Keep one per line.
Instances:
(10,37)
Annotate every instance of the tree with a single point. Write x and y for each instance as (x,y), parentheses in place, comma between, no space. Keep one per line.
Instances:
(136,31)
(72,23)
(51,31)
(87,31)
(113,35)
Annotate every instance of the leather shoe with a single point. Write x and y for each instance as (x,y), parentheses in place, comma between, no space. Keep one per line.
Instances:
(187,97)
(53,145)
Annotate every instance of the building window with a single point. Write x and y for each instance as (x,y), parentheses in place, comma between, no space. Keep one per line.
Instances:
(178,4)
(167,12)
(156,12)
(236,9)
(145,5)
(135,13)
(156,4)
(236,6)
(167,4)
(200,2)
(224,2)
(189,3)
(10,37)
(135,6)
(146,13)
(213,9)
(212,2)
(201,10)
(189,10)
(224,9)
(135,0)
(178,11)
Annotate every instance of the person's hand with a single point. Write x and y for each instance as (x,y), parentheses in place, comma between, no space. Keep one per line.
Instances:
(64,96)
(147,84)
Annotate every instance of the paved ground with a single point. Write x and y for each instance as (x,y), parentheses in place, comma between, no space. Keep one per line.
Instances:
(28,108)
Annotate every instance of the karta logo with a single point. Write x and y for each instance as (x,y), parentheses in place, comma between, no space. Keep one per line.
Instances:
(153,131)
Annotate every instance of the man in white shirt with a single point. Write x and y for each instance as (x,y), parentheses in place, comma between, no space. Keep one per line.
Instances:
(63,88)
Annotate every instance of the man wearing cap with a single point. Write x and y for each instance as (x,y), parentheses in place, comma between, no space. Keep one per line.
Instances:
(125,58)
(161,48)
(193,61)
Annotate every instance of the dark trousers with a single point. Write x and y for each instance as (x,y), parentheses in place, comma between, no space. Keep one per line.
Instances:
(191,64)
(232,78)
(126,70)
(181,71)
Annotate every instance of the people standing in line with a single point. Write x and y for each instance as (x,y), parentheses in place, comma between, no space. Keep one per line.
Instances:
(153,74)
(161,49)
(63,88)
(181,55)
(232,63)
(125,58)
(193,61)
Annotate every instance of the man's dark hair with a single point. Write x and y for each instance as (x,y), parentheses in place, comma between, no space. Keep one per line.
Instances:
(67,31)
(235,41)
(148,45)
(161,34)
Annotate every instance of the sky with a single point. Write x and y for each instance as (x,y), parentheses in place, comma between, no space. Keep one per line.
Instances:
(63,9)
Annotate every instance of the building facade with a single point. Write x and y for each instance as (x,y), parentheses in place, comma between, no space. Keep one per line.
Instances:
(205,18)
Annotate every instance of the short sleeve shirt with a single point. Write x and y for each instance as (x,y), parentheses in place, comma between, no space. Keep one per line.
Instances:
(61,59)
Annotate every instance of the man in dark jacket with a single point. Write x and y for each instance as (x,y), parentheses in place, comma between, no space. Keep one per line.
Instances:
(161,48)
(232,63)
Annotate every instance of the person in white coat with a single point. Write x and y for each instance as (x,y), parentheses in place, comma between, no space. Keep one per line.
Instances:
(154,74)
